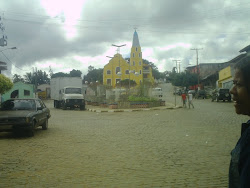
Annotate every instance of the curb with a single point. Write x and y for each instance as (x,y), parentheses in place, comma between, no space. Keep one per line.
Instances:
(131,110)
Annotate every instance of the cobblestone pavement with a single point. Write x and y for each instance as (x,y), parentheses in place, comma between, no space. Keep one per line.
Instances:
(163,148)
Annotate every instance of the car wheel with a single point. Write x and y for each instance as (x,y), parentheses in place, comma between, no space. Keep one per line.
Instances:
(31,131)
(64,106)
(45,124)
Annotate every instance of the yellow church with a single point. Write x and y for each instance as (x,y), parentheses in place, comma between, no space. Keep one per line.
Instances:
(119,69)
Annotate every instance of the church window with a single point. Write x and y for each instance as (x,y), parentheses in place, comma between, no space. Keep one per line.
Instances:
(118,69)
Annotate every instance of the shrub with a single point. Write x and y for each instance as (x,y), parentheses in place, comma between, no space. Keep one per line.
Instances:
(141,99)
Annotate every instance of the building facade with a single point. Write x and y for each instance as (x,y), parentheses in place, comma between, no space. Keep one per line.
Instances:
(20,90)
(119,69)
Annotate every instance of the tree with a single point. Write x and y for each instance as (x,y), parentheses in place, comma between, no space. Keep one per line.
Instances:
(155,72)
(184,79)
(5,84)
(39,77)
(60,74)
(72,73)
(93,75)
(90,68)
(75,73)
(17,78)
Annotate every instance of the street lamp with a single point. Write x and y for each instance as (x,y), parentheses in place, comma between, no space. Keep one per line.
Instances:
(5,67)
(12,48)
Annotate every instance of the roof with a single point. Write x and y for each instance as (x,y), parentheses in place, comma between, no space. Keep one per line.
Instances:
(246,49)
(136,42)
(237,58)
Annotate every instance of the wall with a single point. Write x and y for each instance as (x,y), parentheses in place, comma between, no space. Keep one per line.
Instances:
(20,87)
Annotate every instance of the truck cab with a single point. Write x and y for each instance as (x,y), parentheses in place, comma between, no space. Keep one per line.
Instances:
(72,97)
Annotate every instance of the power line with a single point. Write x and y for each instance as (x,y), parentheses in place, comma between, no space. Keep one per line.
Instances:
(11,62)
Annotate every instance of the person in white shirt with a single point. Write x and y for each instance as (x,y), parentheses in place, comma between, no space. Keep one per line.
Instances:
(190,100)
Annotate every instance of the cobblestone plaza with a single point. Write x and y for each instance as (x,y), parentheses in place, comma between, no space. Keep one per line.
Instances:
(161,148)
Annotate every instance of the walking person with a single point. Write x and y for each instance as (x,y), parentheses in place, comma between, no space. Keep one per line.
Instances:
(190,100)
(239,169)
(183,97)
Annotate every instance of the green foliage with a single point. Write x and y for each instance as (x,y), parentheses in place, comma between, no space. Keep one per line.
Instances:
(17,78)
(155,72)
(93,75)
(5,84)
(184,79)
(141,99)
(39,77)
(125,83)
(60,74)
(73,73)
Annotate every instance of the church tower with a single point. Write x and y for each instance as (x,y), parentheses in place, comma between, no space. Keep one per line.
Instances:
(136,64)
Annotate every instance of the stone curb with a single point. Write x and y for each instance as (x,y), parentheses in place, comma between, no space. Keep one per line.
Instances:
(131,110)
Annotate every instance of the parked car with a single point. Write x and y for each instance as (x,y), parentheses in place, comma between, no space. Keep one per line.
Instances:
(19,115)
(201,94)
(221,94)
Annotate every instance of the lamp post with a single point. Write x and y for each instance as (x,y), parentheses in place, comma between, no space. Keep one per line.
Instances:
(197,64)
(5,67)
(12,48)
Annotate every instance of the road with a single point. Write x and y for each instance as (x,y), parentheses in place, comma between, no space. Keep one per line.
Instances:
(162,148)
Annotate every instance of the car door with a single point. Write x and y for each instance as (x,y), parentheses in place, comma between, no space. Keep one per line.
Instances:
(40,115)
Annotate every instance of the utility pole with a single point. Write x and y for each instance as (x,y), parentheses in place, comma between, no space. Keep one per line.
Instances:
(197,63)
(177,61)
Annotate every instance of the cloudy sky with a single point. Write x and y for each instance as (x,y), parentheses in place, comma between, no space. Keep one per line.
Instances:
(75,34)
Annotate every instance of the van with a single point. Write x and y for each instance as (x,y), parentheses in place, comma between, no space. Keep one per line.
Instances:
(157,93)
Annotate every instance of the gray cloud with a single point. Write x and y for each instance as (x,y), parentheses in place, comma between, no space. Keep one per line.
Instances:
(220,28)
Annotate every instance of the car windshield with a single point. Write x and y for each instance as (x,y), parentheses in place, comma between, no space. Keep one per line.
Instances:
(18,105)
(73,90)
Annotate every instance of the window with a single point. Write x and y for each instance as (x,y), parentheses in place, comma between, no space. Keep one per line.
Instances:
(108,71)
(109,82)
(139,54)
(140,71)
(139,62)
(127,72)
(26,93)
(136,49)
(133,54)
(134,63)
(117,70)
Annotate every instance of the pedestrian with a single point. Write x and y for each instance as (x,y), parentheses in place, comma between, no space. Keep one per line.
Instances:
(239,169)
(190,100)
(183,97)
